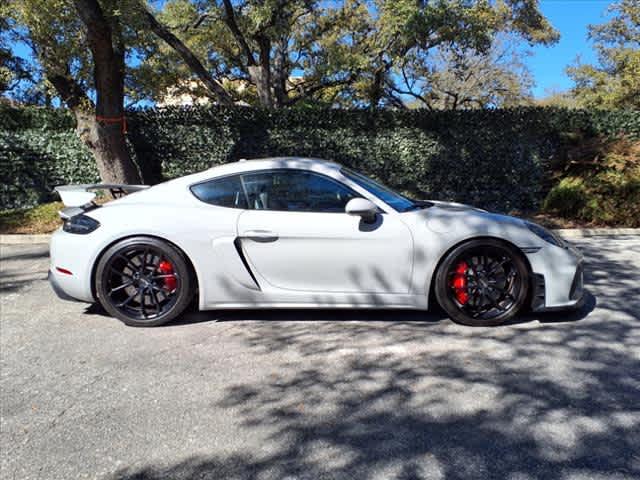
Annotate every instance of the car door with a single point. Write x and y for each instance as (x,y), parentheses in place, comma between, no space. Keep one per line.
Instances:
(296,236)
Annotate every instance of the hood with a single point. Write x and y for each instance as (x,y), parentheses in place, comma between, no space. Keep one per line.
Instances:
(444,217)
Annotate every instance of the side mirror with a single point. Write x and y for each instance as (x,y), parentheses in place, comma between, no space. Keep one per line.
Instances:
(362,208)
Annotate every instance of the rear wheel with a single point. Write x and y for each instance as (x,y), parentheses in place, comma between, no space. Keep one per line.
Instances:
(143,281)
(482,283)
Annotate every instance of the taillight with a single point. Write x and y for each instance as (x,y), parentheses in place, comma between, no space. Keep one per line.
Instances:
(80,224)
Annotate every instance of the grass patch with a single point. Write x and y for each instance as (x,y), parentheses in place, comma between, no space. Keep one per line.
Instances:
(40,219)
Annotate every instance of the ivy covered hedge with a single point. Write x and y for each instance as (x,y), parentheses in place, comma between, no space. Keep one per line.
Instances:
(500,159)
(39,149)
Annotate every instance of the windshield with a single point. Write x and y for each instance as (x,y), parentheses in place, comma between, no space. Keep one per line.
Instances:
(388,196)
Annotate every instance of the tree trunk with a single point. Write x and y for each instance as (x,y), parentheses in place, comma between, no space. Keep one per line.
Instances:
(280,75)
(103,132)
(261,73)
(105,141)
(375,91)
(107,144)
(261,79)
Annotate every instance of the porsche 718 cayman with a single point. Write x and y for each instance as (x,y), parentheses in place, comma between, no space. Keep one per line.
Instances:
(301,233)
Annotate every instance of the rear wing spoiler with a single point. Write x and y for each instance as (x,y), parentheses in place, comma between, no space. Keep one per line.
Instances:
(82,194)
(77,198)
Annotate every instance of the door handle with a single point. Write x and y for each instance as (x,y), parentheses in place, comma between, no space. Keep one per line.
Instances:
(262,236)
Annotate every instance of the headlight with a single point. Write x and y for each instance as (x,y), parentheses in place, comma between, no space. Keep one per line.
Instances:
(81,224)
(545,234)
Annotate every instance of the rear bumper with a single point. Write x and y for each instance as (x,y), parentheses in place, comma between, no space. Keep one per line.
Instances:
(57,288)
(75,255)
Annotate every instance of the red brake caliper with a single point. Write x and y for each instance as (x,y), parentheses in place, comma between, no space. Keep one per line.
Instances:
(459,283)
(165,268)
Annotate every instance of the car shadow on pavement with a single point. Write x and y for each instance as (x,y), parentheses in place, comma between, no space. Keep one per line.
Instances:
(361,399)
(347,394)
(370,315)
(193,316)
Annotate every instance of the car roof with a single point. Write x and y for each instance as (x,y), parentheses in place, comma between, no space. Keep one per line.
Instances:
(158,193)
(304,163)
(244,165)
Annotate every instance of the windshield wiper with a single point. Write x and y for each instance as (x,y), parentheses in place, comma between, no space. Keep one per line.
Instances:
(419,205)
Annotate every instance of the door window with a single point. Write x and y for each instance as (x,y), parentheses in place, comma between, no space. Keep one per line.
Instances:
(295,191)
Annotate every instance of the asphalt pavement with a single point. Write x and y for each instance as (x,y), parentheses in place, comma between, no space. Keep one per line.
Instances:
(305,395)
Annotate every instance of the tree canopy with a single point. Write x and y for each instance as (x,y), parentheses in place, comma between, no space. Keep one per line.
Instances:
(615,81)
(461,78)
(278,53)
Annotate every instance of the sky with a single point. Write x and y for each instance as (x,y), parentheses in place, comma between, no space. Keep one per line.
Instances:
(570,18)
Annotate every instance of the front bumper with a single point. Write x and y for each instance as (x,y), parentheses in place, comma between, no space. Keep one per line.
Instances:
(577,285)
(576,293)
(558,278)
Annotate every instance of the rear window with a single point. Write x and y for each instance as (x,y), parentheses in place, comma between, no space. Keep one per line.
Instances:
(223,192)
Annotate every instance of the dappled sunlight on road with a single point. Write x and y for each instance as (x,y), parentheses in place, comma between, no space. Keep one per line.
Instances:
(324,394)
(407,395)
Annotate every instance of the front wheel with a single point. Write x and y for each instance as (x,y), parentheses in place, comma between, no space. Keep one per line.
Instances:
(143,282)
(482,283)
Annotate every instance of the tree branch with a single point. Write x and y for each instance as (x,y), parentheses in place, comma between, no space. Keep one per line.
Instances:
(307,92)
(70,92)
(230,20)
(411,93)
(212,84)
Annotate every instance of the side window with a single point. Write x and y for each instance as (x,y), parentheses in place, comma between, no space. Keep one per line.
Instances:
(295,191)
(224,192)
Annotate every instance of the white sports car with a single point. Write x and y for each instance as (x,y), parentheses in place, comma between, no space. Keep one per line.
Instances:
(301,233)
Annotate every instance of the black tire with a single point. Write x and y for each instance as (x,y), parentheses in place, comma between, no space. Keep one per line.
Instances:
(491,290)
(144,282)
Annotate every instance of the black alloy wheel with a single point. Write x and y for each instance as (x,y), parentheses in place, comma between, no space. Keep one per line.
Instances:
(143,281)
(482,283)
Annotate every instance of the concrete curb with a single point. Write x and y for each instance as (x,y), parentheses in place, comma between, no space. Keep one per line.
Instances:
(564,232)
(17,239)
(595,232)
